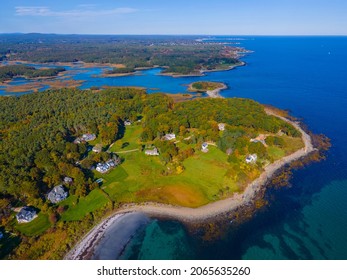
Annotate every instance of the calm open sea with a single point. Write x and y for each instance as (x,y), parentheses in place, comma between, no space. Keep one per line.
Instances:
(308,76)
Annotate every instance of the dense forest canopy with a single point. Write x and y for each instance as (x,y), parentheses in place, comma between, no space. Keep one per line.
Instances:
(182,55)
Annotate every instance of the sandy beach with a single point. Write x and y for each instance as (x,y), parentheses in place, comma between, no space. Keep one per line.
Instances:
(199,214)
(215,93)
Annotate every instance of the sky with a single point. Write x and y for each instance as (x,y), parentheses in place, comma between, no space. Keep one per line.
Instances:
(203,17)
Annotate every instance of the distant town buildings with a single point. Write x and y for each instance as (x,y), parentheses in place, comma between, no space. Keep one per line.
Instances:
(221,126)
(169,136)
(104,167)
(85,138)
(127,122)
(204,147)
(251,158)
(26,215)
(153,152)
(57,194)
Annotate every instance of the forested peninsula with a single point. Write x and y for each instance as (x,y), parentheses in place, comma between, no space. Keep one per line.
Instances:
(8,72)
(157,150)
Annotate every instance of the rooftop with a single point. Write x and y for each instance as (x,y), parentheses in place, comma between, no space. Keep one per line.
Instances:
(57,194)
(26,214)
(153,152)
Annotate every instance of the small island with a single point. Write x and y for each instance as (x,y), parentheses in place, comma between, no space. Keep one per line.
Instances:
(212,89)
(119,71)
(8,72)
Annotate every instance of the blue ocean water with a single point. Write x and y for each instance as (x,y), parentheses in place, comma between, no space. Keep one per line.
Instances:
(306,75)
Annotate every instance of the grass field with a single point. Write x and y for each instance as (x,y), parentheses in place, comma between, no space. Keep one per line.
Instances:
(140,178)
(276,153)
(292,144)
(78,209)
(36,226)
(129,141)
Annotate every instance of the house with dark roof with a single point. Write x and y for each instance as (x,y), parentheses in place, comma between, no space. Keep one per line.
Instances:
(26,215)
(57,194)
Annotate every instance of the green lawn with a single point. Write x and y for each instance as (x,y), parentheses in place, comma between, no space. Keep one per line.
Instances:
(275,153)
(130,141)
(292,144)
(140,179)
(77,210)
(36,226)
(207,176)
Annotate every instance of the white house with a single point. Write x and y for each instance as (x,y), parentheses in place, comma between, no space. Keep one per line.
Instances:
(169,136)
(127,122)
(153,152)
(57,194)
(68,180)
(85,138)
(204,147)
(26,215)
(251,158)
(221,126)
(88,137)
(103,167)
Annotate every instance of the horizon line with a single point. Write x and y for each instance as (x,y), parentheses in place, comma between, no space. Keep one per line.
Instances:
(161,34)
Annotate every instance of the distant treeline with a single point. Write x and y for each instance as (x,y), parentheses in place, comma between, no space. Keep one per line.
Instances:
(10,71)
(181,55)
